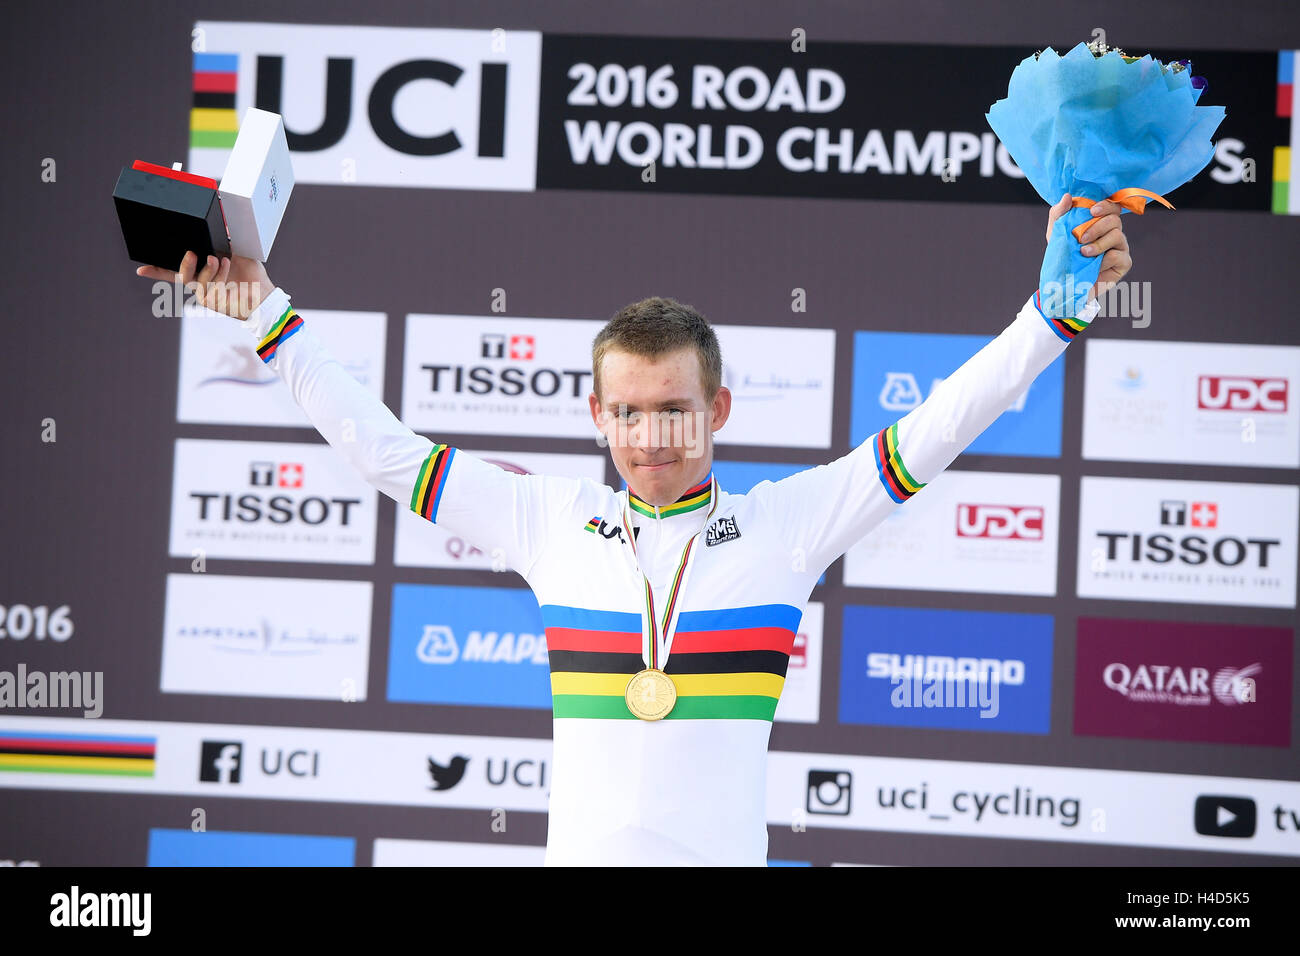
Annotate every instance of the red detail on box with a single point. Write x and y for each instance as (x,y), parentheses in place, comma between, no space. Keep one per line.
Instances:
(1284,99)
(184,177)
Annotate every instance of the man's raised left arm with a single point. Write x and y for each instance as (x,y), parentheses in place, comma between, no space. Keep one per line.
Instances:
(829,508)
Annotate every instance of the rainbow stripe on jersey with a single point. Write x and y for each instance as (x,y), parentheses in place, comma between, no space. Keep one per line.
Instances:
(696,497)
(727,664)
(889,465)
(285,326)
(431,481)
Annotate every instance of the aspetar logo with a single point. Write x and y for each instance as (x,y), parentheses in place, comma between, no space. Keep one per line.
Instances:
(438,645)
(1182,685)
(1194,549)
(1241,393)
(901,393)
(539,381)
(373,105)
(1003,522)
(272,501)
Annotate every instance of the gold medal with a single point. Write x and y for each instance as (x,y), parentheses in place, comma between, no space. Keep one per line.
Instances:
(650,694)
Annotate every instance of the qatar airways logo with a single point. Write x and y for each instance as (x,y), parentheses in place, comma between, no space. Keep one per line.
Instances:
(1002,522)
(1236,393)
(1191,686)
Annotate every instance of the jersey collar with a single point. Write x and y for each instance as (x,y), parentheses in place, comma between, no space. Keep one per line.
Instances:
(696,497)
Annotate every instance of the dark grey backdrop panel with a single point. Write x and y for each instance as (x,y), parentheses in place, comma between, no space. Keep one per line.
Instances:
(85,518)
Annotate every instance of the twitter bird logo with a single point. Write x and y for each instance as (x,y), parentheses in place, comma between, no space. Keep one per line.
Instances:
(444,778)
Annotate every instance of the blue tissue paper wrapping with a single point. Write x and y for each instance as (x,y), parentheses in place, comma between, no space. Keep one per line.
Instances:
(1091,126)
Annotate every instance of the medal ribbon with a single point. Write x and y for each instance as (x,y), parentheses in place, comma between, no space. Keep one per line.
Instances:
(679,580)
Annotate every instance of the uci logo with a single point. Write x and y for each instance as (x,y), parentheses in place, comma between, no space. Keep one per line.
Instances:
(605,529)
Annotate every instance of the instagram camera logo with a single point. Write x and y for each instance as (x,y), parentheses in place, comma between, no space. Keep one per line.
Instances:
(830,792)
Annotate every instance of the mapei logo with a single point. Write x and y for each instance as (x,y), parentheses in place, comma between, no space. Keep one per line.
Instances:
(901,393)
(1007,522)
(1241,394)
(438,645)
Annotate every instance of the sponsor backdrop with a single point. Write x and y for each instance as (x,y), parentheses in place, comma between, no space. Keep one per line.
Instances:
(1078,644)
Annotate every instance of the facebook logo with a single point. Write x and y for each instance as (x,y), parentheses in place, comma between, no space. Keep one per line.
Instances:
(220,761)
(894,372)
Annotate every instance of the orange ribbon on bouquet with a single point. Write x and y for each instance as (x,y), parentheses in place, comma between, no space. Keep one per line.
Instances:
(1133,199)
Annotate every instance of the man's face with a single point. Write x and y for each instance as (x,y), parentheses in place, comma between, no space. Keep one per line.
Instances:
(658,422)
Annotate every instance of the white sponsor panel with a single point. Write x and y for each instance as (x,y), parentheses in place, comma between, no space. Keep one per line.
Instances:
(962,798)
(270,501)
(1197,542)
(420,543)
(224,382)
(393,852)
(347,766)
(800,701)
(966,531)
(498,375)
(385,106)
(1204,403)
(1024,802)
(781,383)
(266,637)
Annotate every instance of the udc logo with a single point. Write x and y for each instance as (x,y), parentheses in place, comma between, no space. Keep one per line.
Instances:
(830,792)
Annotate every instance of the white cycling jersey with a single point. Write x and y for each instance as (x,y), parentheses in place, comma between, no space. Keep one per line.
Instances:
(690,788)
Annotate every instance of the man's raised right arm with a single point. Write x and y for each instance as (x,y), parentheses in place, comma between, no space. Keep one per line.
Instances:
(486,505)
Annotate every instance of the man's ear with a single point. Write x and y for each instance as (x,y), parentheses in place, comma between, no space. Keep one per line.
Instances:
(721,407)
(594,403)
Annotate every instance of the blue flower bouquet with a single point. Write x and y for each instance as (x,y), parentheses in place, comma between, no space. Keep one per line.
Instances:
(1098,124)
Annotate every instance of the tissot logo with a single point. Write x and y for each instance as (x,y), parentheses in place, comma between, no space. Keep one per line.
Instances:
(1205,514)
(264,474)
(1021,522)
(1225,551)
(724,529)
(1241,394)
(509,381)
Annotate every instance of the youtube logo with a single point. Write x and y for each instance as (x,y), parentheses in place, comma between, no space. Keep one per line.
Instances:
(1225,816)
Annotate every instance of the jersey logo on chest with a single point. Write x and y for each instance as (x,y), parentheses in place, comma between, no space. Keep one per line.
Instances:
(722,531)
